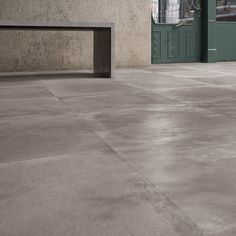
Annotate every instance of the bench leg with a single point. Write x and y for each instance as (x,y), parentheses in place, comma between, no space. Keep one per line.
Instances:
(104,53)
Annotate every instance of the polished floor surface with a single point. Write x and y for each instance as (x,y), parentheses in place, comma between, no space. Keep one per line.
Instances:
(152,152)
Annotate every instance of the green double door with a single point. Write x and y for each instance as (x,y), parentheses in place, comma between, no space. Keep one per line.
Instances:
(171,43)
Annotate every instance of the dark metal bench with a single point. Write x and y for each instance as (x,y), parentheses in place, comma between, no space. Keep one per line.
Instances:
(104,39)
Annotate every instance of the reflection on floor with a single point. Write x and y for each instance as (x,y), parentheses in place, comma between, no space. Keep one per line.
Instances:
(152,152)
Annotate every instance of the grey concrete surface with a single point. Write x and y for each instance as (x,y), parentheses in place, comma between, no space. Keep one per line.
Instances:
(150,153)
(72,50)
(103,40)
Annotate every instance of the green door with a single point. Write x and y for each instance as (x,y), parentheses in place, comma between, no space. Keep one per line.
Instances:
(175,42)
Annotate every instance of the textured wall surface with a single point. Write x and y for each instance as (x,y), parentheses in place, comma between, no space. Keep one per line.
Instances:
(31,51)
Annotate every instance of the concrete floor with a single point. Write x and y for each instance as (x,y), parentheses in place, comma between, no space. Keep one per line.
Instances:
(152,152)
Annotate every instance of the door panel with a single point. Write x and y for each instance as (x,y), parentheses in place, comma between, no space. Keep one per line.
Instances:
(176,44)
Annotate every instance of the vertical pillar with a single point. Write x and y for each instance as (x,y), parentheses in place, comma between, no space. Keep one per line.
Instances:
(209,50)
(104,52)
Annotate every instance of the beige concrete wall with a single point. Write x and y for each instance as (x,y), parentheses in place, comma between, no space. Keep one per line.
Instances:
(21,51)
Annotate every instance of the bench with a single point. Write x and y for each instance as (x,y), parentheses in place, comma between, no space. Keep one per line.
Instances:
(103,46)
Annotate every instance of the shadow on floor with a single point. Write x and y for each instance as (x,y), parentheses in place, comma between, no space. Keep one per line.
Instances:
(8,77)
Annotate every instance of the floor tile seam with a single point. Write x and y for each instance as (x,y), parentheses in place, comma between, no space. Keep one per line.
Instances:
(78,115)
(154,91)
(137,108)
(179,103)
(46,88)
(178,72)
(181,87)
(135,86)
(194,105)
(186,218)
(168,74)
(220,100)
(121,158)
(145,180)
(172,67)
(154,107)
(25,98)
(35,160)
(40,98)
(195,80)
(44,115)
(213,71)
(223,86)
(117,110)
(198,69)
(214,112)
(130,92)
(219,71)
(59,99)
(130,68)
(193,77)
(96,94)
(227,99)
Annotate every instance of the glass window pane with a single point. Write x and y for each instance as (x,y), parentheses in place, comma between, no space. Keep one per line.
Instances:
(173,11)
(226,10)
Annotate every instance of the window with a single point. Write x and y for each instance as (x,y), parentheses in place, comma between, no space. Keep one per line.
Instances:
(226,10)
(173,11)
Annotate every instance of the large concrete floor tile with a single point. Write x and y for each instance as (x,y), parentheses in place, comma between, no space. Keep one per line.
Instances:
(124,74)
(18,88)
(116,102)
(157,82)
(205,190)
(191,74)
(85,195)
(19,81)
(220,80)
(77,86)
(29,91)
(149,153)
(198,178)
(225,108)
(46,106)
(201,94)
(33,137)
(168,68)
(161,125)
